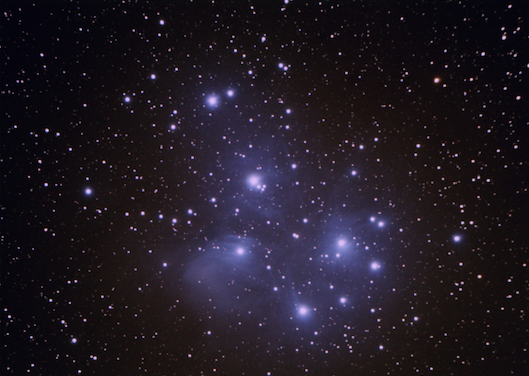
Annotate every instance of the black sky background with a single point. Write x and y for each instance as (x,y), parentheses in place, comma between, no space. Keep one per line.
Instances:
(107,282)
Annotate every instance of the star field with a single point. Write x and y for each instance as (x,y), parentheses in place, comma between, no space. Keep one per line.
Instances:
(264,188)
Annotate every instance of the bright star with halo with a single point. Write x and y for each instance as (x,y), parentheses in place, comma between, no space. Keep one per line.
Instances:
(212,101)
(303,311)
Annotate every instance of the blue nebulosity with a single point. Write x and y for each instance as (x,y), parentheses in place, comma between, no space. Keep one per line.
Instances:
(264,188)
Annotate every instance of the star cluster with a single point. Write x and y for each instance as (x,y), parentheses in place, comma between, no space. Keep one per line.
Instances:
(264,188)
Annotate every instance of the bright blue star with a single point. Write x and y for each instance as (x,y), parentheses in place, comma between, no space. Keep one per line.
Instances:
(212,101)
(303,311)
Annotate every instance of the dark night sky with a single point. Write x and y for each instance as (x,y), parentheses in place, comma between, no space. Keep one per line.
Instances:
(264,188)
